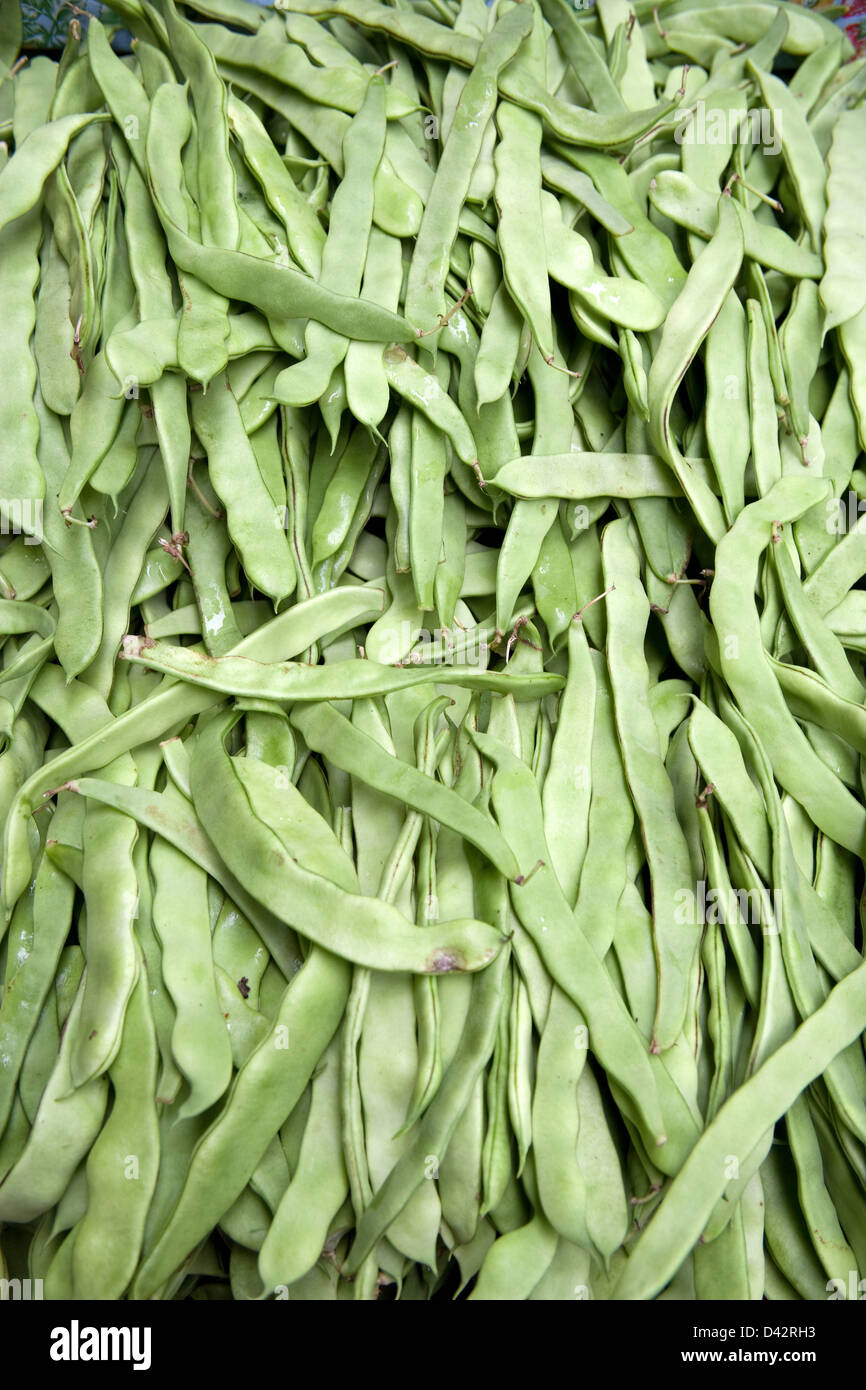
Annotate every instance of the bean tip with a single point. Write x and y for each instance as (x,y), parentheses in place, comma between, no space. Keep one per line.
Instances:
(71,786)
(131,646)
(524,878)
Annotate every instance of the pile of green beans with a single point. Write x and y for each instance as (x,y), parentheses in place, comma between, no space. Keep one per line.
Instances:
(432,641)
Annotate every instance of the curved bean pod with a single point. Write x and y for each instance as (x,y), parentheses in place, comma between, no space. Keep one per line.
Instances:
(738,1127)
